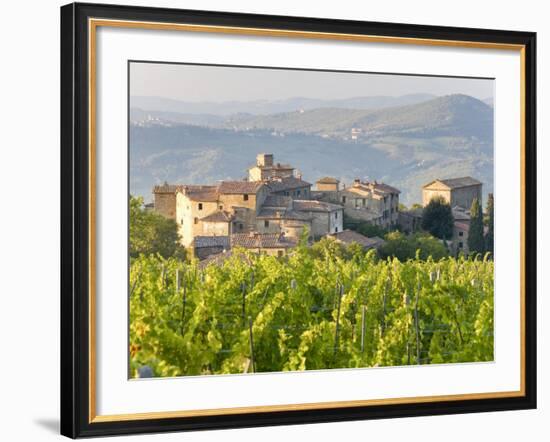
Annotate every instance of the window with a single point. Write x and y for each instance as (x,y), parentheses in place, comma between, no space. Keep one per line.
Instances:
(266,223)
(460,233)
(245,197)
(182,221)
(298,192)
(200,206)
(240,226)
(460,245)
(196,220)
(335,215)
(221,207)
(336,230)
(279,253)
(344,199)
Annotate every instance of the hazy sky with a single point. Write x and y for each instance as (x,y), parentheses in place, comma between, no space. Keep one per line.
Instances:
(216,83)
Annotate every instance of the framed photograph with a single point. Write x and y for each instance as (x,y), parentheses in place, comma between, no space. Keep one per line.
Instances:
(274,220)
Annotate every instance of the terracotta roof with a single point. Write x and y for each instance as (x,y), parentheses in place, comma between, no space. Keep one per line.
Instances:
(462,226)
(211,241)
(262,241)
(201,193)
(360,189)
(167,188)
(274,213)
(239,187)
(219,216)
(453,183)
(277,201)
(328,180)
(289,183)
(350,236)
(315,206)
(386,188)
(217,259)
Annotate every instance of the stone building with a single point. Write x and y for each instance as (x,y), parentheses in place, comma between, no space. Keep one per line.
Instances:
(165,199)
(279,216)
(455,191)
(217,210)
(461,227)
(459,242)
(273,201)
(266,169)
(410,221)
(275,244)
(327,184)
(325,217)
(368,201)
(289,186)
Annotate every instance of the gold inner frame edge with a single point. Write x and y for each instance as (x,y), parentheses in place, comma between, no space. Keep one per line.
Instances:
(93,24)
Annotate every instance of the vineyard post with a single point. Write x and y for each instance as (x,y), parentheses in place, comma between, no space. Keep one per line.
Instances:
(363,323)
(243,290)
(162,276)
(183,302)
(253,364)
(134,286)
(416,325)
(337,332)
(384,306)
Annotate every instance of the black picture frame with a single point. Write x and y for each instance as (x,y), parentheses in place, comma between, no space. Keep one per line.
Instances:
(75,220)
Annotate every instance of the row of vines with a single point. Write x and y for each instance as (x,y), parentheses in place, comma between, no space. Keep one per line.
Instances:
(257,313)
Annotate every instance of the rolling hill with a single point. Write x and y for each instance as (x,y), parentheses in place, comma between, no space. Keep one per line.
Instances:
(405,146)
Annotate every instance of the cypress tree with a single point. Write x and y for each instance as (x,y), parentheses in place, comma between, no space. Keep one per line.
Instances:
(476,241)
(490,237)
(437,218)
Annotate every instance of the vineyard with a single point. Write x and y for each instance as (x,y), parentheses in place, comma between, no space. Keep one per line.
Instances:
(314,309)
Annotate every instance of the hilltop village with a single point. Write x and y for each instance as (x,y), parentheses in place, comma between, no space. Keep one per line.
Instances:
(269,211)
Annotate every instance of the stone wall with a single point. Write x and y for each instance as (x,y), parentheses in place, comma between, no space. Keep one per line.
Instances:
(462,196)
(165,204)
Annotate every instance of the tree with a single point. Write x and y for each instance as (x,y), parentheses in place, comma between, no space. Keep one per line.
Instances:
(152,233)
(476,241)
(437,218)
(490,236)
(363,227)
(404,247)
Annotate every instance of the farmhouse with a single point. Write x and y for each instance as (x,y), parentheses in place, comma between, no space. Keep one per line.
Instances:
(368,201)
(455,191)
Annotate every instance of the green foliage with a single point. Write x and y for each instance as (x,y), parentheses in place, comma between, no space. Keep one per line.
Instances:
(490,236)
(404,247)
(364,228)
(306,312)
(152,233)
(476,241)
(437,218)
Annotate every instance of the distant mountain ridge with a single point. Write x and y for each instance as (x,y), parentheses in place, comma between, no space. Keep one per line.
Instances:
(405,146)
(458,114)
(265,107)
